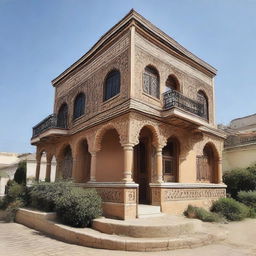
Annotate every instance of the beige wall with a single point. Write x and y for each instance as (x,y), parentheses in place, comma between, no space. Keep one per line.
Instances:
(239,157)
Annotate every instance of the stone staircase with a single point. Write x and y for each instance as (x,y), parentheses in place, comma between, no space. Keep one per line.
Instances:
(160,233)
(147,211)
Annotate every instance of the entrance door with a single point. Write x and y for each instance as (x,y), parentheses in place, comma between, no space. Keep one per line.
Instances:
(141,171)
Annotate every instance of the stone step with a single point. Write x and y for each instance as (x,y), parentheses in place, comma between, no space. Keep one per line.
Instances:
(93,238)
(144,209)
(151,227)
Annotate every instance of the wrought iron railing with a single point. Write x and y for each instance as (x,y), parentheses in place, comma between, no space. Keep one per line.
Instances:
(174,98)
(48,123)
(236,140)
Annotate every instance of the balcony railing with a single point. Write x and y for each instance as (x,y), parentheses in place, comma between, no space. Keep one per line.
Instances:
(236,140)
(174,98)
(49,122)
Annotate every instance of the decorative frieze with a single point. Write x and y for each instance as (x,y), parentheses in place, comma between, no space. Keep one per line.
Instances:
(110,195)
(193,194)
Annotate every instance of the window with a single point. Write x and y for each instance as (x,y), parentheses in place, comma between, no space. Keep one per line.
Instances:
(79,105)
(202,98)
(171,83)
(151,81)
(62,116)
(112,84)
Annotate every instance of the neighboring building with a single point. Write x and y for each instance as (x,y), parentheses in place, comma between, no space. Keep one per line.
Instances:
(134,118)
(9,163)
(240,145)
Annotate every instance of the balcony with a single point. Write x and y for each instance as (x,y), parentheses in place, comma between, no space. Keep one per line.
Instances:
(47,127)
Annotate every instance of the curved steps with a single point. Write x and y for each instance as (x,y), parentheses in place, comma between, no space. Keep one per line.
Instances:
(94,238)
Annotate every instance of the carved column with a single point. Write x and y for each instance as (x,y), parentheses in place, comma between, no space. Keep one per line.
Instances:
(48,168)
(159,165)
(128,162)
(93,166)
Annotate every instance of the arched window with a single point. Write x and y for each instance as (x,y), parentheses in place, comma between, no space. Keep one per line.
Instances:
(79,105)
(62,117)
(171,159)
(112,84)
(172,83)
(202,98)
(151,81)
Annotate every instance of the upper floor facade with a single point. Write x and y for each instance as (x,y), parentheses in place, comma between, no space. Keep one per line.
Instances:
(134,66)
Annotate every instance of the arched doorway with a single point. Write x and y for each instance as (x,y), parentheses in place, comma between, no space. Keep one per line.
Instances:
(172,83)
(144,159)
(66,163)
(171,160)
(207,165)
(83,162)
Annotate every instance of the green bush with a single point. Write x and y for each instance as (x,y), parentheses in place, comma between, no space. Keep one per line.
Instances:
(248,198)
(43,195)
(202,214)
(239,180)
(231,209)
(12,209)
(77,207)
(15,192)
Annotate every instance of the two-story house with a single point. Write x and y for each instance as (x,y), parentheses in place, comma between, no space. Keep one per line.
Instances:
(135,118)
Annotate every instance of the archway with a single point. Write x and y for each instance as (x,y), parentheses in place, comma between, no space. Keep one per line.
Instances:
(83,162)
(171,160)
(65,163)
(53,169)
(110,158)
(144,160)
(43,165)
(172,83)
(207,165)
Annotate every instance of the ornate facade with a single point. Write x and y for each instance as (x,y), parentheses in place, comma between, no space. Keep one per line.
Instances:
(134,118)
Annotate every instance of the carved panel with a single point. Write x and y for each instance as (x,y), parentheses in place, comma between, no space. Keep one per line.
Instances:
(110,195)
(193,193)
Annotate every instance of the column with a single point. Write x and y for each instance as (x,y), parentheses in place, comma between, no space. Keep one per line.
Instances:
(159,165)
(128,162)
(38,163)
(48,169)
(74,169)
(219,174)
(93,167)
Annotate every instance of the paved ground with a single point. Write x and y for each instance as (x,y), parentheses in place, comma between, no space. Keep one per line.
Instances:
(18,240)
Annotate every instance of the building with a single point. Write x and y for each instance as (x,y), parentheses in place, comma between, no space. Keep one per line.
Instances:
(240,145)
(135,118)
(9,163)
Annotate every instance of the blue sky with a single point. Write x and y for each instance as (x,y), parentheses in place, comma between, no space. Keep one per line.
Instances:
(41,38)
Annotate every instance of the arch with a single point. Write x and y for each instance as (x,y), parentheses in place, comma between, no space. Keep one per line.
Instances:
(111,84)
(110,157)
(65,162)
(53,169)
(62,116)
(100,133)
(203,99)
(172,83)
(43,165)
(79,105)
(83,159)
(171,155)
(151,81)
(207,164)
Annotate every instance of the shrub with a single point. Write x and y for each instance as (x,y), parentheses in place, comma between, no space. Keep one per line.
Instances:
(239,180)
(12,209)
(44,194)
(77,207)
(248,198)
(230,209)
(15,192)
(20,174)
(202,214)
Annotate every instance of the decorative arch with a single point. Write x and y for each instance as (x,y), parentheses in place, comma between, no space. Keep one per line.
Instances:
(79,105)
(172,83)
(203,99)
(151,81)
(112,84)
(62,116)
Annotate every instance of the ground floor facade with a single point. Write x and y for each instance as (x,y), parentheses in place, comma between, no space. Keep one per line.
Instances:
(135,159)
